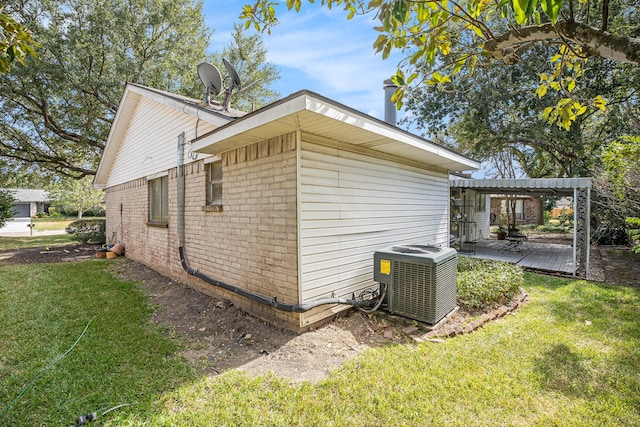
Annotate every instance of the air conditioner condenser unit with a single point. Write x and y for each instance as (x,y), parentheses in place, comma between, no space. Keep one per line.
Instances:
(420,279)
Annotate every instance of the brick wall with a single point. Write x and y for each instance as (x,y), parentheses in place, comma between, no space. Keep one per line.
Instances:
(127,213)
(533,211)
(251,243)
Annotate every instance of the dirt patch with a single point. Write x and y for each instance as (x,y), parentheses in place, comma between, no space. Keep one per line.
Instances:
(553,238)
(220,336)
(48,254)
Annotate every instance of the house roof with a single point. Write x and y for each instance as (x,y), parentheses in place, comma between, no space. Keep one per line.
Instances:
(315,115)
(553,186)
(214,114)
(29,194)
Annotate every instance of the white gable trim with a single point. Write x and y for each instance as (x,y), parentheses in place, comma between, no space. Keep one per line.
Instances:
(131,98)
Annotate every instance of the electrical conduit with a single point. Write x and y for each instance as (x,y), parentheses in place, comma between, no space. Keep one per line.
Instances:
(272,302)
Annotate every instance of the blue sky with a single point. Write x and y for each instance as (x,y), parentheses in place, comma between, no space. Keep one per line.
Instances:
(319,50)
(316,49)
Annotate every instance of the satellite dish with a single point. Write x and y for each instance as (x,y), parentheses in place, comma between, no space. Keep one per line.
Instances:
(234,82)
(212,80)
(235,79)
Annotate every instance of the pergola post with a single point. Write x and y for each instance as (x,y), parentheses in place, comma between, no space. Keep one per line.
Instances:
(581,231)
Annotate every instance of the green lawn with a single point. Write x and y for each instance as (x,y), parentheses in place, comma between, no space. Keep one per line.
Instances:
(570,357)
(10,243)
(52,223)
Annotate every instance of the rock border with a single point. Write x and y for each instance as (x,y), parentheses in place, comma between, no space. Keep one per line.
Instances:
(445,330)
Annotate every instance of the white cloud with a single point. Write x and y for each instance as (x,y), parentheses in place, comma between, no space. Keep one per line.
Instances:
(318,50)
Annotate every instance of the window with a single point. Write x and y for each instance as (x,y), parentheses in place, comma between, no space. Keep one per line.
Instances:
(481,202)
(214,184)
(159,200)
(519,210)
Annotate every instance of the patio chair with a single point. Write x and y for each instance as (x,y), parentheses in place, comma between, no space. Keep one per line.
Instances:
(514,241)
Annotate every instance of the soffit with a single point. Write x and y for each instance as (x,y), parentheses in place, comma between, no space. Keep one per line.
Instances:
(315,115)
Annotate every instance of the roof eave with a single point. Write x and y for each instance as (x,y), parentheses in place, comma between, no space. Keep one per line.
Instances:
(298,111)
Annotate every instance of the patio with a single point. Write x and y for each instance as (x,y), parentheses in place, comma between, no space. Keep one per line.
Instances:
(537,256)
(571,259)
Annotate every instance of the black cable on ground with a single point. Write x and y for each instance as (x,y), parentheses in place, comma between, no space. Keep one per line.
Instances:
(42,371)
(87,418)
(381,294)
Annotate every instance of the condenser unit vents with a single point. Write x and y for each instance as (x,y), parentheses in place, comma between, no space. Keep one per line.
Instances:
(421,280)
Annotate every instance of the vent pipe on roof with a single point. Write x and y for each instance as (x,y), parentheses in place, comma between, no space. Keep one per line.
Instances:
(389,107)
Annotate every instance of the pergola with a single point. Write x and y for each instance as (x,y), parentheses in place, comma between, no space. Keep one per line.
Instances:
(578,188)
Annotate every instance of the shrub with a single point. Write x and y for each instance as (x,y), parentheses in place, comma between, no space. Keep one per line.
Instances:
(607,235)
(6,206)
(485,283)
(553,228)
(632,223)
(566,219)
(88,230)
(55,215)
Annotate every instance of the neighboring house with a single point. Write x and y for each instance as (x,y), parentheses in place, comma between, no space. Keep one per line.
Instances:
(563,206)
(529,209)
(29,202)
(279,210)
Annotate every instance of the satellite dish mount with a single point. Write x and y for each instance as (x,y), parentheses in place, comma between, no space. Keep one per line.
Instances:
(212,80)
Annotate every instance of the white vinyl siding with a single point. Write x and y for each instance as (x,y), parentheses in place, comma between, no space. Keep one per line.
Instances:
(149,145)
(352,205)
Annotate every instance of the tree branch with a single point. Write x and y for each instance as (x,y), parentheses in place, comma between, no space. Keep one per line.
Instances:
(595,41)
(40,107)
(605,14)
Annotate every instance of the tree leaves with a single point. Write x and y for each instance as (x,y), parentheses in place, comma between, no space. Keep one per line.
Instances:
(61,107)
(400,10)
(456,37)
(438,78)
(520,9)
(16,42)
(552,9)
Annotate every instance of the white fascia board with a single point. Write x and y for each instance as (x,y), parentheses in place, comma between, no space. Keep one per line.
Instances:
(252,122)
(386,131)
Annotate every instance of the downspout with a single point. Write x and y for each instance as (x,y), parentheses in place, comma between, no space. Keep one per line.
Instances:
(272,302)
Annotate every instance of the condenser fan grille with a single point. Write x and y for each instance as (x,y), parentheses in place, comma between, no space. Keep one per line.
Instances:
(419,290)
